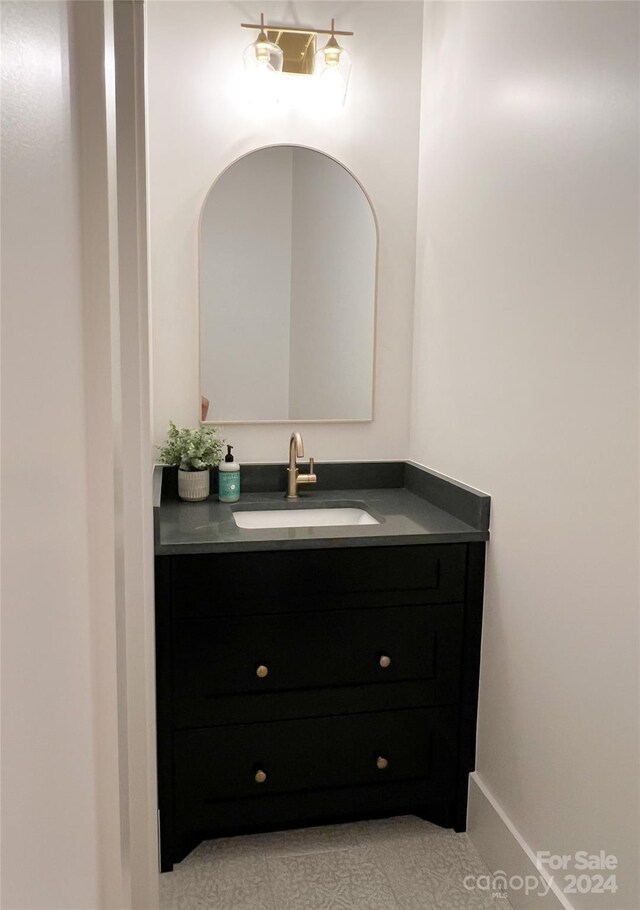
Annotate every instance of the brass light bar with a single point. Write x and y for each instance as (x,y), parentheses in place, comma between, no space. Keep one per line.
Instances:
(286,28)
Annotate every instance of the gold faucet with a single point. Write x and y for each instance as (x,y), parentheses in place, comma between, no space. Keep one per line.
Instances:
(294,477)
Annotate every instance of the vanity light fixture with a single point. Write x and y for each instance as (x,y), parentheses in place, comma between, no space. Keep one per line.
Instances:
(284,49)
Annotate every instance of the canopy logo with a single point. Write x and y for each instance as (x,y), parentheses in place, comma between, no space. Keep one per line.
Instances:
(569,873)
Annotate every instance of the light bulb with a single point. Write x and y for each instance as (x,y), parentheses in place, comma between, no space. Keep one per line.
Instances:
(262,51)
(331,52)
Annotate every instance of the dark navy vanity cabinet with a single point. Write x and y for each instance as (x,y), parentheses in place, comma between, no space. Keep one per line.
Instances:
(301,686)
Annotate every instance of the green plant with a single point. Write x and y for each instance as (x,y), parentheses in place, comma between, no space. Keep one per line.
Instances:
(192,450)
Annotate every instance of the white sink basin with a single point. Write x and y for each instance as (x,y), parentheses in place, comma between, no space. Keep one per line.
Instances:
(303,518)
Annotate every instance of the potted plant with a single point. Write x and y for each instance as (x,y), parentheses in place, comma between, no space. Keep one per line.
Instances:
(194,452)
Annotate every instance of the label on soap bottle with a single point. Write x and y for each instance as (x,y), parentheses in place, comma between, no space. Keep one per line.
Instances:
(229,486)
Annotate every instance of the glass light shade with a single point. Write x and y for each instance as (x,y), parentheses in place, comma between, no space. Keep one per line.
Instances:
(331,70)
(263,56)
(263,62)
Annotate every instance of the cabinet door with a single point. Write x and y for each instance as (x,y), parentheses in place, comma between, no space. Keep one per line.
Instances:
(268,654)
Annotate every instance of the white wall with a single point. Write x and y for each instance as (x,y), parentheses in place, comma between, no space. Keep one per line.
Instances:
(332,292)
(245,265)
(79,799)
(198,125)
(525,384)
(49,765)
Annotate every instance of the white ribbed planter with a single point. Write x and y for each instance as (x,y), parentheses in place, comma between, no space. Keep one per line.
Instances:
(193,485)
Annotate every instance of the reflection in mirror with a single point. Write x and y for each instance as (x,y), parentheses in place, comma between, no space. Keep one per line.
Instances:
(288,248)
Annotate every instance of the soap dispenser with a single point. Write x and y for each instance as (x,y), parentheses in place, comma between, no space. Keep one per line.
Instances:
(229,478)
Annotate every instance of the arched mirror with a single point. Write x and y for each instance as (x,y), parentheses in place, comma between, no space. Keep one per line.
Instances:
(288,258)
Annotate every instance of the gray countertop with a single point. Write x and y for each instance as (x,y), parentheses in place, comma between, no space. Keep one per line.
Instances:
(406,516)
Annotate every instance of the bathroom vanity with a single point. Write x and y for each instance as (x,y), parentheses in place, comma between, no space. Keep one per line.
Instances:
(308,674)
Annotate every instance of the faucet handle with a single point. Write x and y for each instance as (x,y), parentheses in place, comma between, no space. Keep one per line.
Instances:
(299,478)
(311,476)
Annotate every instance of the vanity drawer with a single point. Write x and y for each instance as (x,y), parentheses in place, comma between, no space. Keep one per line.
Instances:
(302,580)
(264,654)
(256,760)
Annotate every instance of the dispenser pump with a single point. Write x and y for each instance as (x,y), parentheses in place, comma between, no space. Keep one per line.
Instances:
(228,456)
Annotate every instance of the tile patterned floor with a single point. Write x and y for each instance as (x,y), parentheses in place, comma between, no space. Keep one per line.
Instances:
(392,864)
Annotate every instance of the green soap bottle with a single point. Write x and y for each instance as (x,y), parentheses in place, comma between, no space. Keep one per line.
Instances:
(229,478)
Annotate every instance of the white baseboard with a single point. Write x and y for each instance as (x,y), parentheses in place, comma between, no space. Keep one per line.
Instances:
(502,847)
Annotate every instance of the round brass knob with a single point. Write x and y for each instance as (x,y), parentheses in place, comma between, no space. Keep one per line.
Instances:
(262,671)
(385,661)
(381,762)
(260,777)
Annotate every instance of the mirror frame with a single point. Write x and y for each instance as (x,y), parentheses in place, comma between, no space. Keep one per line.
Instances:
(212,422)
